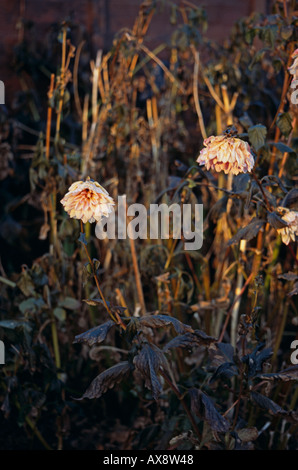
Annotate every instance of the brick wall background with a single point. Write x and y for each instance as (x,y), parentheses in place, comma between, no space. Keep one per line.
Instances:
(101,19)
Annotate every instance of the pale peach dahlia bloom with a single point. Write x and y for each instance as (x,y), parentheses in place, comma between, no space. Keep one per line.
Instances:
(228,154)
(289,233)
(87,201)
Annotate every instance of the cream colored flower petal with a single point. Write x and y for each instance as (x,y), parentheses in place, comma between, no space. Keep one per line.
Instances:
(87,201)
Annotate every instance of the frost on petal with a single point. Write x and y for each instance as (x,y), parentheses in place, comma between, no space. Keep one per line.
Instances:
(290,232)
(87,201)
(228,154)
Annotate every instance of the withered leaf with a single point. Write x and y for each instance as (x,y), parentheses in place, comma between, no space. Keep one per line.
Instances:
(286,375)
(189,340)
(96,335)
(257,136)
(107,379)
(113,308)
(82,239)
(273,408)
(291,199)
(288,276)
(158,321)
(276,221)
(294,291)
(202,406)
(25,283)
(220,353)
(248,232)
(255,359)
(148,362)
(266,403)
(248,434)
(227,369)
(45,228)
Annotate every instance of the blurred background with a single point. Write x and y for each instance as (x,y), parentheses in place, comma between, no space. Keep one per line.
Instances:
(100,20)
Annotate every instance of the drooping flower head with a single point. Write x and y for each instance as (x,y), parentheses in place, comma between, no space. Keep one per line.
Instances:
(289,232)
(226,153)
(87,201)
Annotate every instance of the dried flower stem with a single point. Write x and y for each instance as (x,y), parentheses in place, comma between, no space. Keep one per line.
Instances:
(137,272)
(247,282)
(49,117)
(195,92)
(62,78)
(115,318)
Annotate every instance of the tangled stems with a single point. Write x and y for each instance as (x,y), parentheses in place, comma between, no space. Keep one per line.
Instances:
(115,318)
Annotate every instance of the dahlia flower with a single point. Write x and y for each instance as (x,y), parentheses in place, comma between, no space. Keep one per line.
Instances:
(87,201)
(288,233)
(228,154)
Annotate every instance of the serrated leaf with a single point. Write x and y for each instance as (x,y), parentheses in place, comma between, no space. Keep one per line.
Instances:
(286,375)
(159,321)
(227,369)
(266,403)
(276,221)
(106,380)
(96,335)
(256,359)
(148,362)
(257,136)
(190,340)
(291,199)
(248,232)
(273,408)
(203,407)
